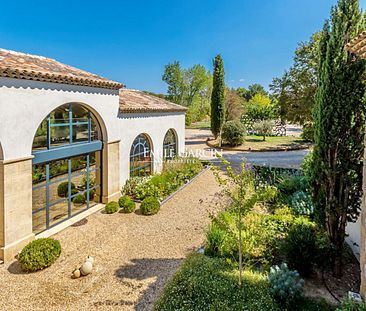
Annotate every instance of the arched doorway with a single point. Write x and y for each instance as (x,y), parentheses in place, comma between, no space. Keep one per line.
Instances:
(170,145)
(141,156)
(66,170)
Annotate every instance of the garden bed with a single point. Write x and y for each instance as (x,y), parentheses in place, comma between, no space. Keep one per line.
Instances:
(255,143)
(175,175)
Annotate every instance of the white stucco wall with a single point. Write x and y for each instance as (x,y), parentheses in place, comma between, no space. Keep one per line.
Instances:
(354,236)
(24,104)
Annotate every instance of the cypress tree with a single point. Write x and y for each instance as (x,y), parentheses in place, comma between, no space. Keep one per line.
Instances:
(339,116)
(218,97)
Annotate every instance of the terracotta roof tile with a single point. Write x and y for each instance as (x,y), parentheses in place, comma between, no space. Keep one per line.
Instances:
(32,67)
(132,101)
(358,45)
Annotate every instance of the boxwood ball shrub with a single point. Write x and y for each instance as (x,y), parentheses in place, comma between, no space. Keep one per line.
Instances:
(79,199)
(63,189)
(286,285)
(39,254)
(233,133)
(150,206)
(111,207)
(127,205)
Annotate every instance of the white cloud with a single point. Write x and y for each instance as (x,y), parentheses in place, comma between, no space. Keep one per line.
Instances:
(241,80)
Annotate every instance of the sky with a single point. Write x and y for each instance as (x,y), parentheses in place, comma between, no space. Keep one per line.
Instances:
(132,41)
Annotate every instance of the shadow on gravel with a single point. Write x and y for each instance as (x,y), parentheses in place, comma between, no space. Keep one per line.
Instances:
(141,269)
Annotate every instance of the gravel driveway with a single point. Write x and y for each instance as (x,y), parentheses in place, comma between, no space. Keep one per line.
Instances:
(134,257)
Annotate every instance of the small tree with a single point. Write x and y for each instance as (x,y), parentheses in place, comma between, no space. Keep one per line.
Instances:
(339,118)
(218,98)
(240,188)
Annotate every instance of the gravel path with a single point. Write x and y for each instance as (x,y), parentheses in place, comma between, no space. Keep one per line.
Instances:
(134,257)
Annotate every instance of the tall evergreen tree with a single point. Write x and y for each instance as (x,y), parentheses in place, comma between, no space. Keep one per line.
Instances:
(339,116)
(218,97)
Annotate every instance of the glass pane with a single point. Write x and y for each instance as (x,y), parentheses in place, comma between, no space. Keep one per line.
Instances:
(38,174)
(60,115)
(79,113)
(60,135)
(59,168)
(95,130)
(58,212)
(78,179)
(39,222)
(78,202)
(78,164)
(38,198)
(80,133)
(58,191)
(40,139)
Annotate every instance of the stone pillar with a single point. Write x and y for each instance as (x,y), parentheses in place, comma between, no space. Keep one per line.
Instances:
(111,186)
(15,206)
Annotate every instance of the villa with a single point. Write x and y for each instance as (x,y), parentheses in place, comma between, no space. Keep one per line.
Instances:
(69,140)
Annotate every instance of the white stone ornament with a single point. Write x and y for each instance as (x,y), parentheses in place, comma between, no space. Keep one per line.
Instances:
(90,259)
(86,268)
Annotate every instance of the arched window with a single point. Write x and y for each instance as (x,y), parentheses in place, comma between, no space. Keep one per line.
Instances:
(66,165)
(170,145)
(140,156)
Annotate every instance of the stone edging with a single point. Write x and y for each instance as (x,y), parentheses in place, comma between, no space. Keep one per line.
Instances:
(301,147)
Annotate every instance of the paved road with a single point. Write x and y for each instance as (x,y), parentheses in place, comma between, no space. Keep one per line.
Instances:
(196,145)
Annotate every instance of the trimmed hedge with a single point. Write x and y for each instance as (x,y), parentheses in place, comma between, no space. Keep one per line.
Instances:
(63,189)
(39,254)
(111,207)
(126,204)
(150,206)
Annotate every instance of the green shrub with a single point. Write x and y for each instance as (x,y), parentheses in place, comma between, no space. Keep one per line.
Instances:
(300,246)
(351,305)
(204,283)
(288,185)
(63,189)
(264,128)
(173,176)
(268,194)
(233,133)
(150,206)
(79,199)
(286,286)
(216,236)
(308,132)
(301,203)
(39,254)
(111,207)
(127,205)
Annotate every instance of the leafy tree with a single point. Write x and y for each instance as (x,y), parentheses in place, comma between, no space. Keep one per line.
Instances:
(218,97)
(234,105)
(173,76)
(253,90)
(339,116)
(195,80)
(260,108)
(295,90)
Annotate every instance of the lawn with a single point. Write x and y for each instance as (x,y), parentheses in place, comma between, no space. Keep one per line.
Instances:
(204,283)
(255,142)
(205,124)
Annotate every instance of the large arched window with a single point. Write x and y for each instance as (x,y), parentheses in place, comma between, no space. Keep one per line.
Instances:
(66,165)
(170,145)
(140,156)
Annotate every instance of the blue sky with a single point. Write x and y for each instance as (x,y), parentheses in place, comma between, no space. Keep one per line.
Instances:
(131,41)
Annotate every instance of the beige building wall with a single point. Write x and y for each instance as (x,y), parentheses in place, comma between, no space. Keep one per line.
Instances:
(16,206)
